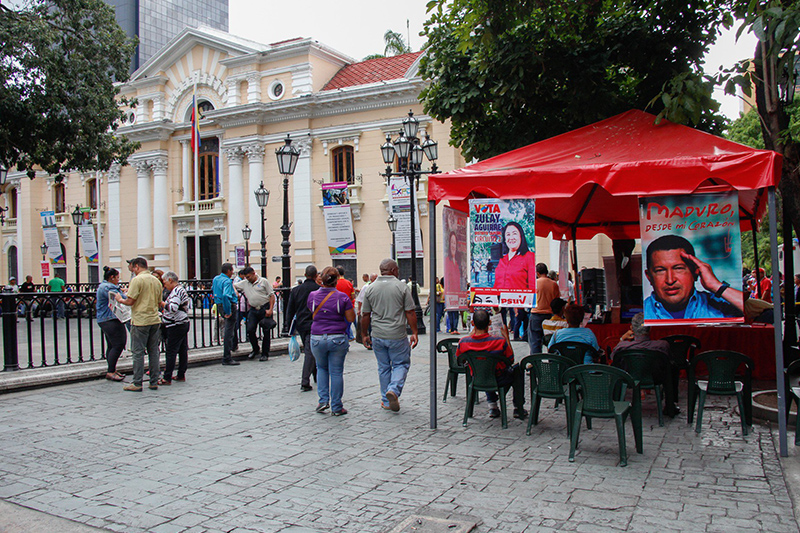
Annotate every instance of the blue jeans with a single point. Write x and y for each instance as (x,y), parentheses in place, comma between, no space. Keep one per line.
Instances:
(536,331)
(394,360)
(229,340)
(439,313)
(329,352)
(452,321)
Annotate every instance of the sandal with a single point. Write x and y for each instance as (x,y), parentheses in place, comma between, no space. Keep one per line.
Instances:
(113,376)
(163,381)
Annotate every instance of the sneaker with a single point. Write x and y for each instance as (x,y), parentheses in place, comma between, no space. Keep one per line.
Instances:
(394,401)
(132,388)
(264,358)
(339,413)
(384,406)
(182,378)
(322,407)
(522,414)
(494,412)
(230,363)
(306,388)
(152,387)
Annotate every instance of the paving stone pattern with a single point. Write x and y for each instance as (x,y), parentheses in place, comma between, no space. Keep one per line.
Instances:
(241,449)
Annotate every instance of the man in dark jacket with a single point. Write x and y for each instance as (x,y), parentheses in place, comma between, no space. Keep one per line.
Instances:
(297,310)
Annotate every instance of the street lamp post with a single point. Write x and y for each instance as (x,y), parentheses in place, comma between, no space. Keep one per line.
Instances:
(287,156)
(3,180)
(43,249)
(409,153)
(392,222)
(246,231)
(262,199)
(77,219)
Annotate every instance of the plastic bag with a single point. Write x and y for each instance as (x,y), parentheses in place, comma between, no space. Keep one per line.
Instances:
(294,348)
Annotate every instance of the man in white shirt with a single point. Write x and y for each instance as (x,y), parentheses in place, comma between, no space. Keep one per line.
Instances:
(261,298)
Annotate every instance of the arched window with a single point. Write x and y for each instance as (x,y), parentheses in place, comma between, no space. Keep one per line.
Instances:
(59,198)
(91,193)
(343,164)
(203,106)
(11,202)
(209,169)
(12,263)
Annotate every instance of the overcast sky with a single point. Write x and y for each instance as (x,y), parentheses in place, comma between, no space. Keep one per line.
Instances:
(356,28)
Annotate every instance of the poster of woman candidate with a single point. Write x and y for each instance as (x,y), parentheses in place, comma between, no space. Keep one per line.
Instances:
(502,252)
(456,272)
(692,258)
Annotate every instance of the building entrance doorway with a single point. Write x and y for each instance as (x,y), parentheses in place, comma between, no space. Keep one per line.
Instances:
(210,257)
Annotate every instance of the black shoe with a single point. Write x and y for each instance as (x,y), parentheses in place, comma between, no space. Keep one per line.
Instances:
(494,412)
(264,358)
(322,407)
(339,413)
(522,414)
(252,354)
(306,388)
(672,412)
(230,363)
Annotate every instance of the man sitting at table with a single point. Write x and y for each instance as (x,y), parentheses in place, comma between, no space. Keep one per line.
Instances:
(508,373)
(666,373)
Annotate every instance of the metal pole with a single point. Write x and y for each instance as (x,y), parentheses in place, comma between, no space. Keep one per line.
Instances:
(578,282)
(790,329)
(432,355)
(247,253)
(263,247)
(394,247)
(776,302)
(77,260)
(196,150)
(286,267)
(10,348)
(411,178)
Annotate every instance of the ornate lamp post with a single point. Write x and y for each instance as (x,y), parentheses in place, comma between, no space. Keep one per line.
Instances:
(392,222)
(246,231)
(409,153)
(287,156)
(3,180)
(43,249)
(77,219)
(262,199)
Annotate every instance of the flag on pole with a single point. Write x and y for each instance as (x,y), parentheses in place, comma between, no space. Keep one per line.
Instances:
(195,126)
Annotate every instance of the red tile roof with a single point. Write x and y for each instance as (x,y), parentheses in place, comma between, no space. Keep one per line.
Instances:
(372,70)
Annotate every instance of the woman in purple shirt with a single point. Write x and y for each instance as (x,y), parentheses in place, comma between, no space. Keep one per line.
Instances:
(332,312)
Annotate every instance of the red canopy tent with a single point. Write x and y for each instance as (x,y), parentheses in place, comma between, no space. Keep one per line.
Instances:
(588,181)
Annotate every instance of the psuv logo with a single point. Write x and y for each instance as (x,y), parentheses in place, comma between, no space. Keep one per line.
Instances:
(487,208)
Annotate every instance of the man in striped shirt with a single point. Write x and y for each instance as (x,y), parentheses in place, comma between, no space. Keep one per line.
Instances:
(508,373)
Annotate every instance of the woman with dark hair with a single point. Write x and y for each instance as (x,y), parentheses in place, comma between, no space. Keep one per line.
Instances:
(114,330)
(331,315)
(517,267)
(455,281)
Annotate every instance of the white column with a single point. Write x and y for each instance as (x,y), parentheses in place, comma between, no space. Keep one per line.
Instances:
(186,170)
(302,229)
(235,195)
(161,225)
(144,217)
(21,252)
(255,159)
(233,93)
(158,108)
(114,231)
(254,88)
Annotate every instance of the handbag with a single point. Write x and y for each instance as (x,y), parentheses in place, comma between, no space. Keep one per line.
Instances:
(294,348)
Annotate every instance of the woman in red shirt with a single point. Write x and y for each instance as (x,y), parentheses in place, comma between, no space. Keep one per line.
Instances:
(517,267)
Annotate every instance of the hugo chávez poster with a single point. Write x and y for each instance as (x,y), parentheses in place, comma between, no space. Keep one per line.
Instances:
(502,252)
(456,271)
(691,258)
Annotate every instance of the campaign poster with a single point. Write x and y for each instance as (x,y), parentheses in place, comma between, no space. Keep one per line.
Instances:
(502,252)
(338,220)
(51,238)
(456,271)
(691,258)
(400,205)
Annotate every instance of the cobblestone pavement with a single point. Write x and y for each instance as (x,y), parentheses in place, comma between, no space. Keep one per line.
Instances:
(241,449)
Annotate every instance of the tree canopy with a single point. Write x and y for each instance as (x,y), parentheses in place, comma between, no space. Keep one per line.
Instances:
(511,73)
(59,106)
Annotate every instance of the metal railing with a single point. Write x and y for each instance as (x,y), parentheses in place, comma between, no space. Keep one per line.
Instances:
(58,328)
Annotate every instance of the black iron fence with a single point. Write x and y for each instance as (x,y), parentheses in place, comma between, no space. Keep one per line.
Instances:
(45,329)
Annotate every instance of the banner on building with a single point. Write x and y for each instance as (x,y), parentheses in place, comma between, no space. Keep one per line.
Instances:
(45,269)
(691,258)
(456,269)
(241,257)
(51,238)
(400,206)
(88,243)
(338,220)
(502,252)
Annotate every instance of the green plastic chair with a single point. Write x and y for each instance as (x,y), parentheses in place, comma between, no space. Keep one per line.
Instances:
(482,368)
(574,351)
(546,372)
(682,349)
(792,380)
(449,346)
(722,366)
(598,384)
(642,365)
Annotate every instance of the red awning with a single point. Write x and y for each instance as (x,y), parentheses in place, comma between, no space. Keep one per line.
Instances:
(589,179)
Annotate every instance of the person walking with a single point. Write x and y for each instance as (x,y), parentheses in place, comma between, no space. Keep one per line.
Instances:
(388,307)
(175,318)
(261,299)
(297,310)
(331,314)
(114,331)
(227,306)
(57,285)
(144,297)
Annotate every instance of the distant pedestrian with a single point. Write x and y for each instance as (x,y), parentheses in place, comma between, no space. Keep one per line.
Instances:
(144,297)
(27,285)
(331,314)
(115,332)
(227,306)
(297,310)
(261,299)
(57,285)
(28,306)
(175,318)
(388,307)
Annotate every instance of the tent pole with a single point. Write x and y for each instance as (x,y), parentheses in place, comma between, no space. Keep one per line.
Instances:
(755,255)
(790,329)
(432,330)
(776,302)
(577,283)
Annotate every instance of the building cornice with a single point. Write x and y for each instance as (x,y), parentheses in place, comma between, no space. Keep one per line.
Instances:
(148,131)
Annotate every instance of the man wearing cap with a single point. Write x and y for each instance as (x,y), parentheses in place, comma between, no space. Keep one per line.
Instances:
(261,298)
(144,297)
